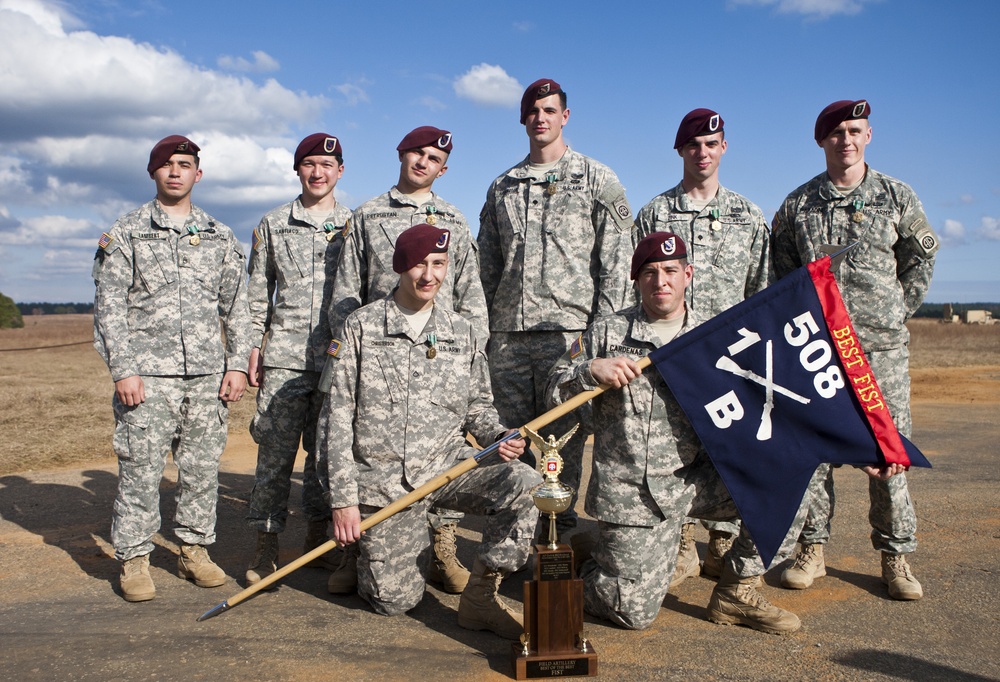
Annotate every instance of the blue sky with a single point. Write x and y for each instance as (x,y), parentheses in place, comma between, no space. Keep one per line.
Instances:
(86,89)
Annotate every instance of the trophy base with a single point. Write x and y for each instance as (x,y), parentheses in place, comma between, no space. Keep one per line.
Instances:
(570,664)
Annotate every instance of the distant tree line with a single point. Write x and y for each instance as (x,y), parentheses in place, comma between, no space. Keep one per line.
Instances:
(55,308)
(935,309)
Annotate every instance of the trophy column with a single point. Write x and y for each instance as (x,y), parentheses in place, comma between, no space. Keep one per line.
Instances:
(553,643)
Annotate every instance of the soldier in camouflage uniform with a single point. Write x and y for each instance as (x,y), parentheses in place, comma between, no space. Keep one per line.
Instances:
(407,381)
(364,275)
(295,251)
(555,237)
(728,242)
(883,281)
(649,468)
(166,274)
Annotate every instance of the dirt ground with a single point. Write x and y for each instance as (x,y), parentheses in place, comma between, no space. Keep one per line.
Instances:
(61,617)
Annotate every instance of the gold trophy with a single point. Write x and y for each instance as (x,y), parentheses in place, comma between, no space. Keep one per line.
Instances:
(553,643)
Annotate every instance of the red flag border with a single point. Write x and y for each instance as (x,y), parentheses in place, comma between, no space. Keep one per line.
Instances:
(854,363)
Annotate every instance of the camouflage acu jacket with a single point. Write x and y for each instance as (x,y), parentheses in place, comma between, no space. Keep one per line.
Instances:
(365,275)
(292,265)
(554,253)
(728,243)
(641,436)
(161,295)
(399,413)
(884,279)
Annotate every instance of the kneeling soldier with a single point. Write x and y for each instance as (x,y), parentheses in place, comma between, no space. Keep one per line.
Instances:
(405,384)
(650,470)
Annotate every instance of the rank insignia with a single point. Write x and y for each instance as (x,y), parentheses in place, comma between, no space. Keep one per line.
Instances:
(254,239)
(334,348)
(576,348)
(105,241)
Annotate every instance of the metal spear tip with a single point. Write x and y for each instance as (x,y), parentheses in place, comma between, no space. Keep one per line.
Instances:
(214,611)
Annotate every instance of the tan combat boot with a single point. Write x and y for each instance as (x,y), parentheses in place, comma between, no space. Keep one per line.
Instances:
(736,601)
(896,574)
(687,557)
(719,542)
(316,536)
(445,569)
(136,583)
(265,559)
(808,565)
(194,564)
(344,580)
(482,608)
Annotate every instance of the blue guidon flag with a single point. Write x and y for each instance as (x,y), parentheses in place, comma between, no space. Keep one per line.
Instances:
(776,386)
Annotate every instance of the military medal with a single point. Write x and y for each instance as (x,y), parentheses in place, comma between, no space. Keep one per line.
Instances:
(858,216)
(193,231)
(431,220)
(715,219)
(552,180)
(329,227)
(432,351)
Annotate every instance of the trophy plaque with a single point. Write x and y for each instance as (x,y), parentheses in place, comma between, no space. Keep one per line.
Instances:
(553,643)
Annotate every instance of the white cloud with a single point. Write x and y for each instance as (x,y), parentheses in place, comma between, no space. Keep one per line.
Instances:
(354,93)
(65,261)
(432,103)
(524,26)
(814,9)
(953,232)
(262,63)
(489,85)
(68,83)
(967,199)
(54,230)
(989,228)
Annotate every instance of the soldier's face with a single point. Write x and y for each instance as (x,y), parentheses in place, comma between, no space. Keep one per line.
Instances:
(545,121)
(419,285)
(319,176)
(419,168)
(661,288)
(702,155)
(845,146)
(177,177)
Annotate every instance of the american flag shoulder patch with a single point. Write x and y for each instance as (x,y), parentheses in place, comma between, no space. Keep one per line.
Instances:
(576,348)
(105,240)
(334,348)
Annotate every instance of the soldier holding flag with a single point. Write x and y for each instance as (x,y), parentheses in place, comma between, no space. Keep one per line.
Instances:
(883,282)
(650,470)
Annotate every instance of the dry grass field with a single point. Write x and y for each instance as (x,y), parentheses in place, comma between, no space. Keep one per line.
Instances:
(55,401)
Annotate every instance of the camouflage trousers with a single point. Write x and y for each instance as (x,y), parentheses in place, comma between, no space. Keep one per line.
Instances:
(394,554)
(288,405)
(182,415)
(627,576)
(890,511)
(520,366)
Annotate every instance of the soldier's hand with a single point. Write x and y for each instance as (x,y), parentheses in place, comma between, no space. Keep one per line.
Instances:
(885,472)
(130,391)
(510,450)
(233,385)
(615,372)
(346,525)
(255,368)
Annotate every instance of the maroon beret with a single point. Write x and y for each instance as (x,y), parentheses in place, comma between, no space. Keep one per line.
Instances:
(317,144)
(426,136)
(698,122)
(167,147)
(416,243)
(837,113)
(656,247)
(540,89)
